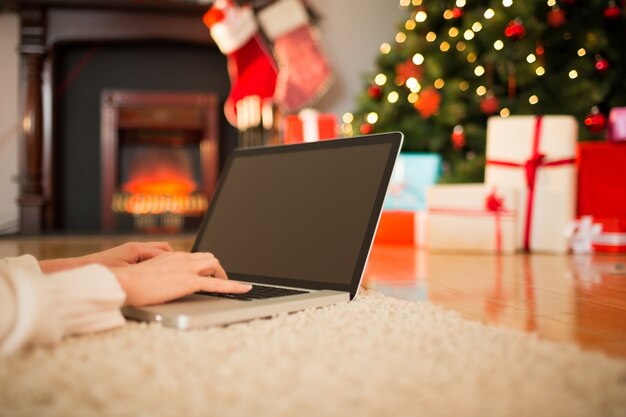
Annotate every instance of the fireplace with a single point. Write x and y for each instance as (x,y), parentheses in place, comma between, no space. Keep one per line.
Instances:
(159,159)
(73,54)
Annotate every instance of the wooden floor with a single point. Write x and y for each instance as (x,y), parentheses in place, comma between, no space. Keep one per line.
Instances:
(577,299)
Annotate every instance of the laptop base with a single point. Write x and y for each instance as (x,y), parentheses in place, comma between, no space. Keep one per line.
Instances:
(202,311)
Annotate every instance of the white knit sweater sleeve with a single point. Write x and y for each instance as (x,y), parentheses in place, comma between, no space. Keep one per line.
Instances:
(37,309)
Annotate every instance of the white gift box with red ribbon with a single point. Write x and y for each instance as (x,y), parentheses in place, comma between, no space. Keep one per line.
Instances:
(471,218)
(536,155)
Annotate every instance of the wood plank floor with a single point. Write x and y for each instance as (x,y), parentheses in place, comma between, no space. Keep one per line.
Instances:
(579,299)
(576,299)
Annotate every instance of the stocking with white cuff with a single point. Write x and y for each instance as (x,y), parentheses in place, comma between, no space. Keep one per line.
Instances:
(251,67)
(304,72)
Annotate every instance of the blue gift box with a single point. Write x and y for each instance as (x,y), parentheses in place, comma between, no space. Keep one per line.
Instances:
(411,175)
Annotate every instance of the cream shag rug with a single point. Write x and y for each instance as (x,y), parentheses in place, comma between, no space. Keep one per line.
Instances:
(376,356)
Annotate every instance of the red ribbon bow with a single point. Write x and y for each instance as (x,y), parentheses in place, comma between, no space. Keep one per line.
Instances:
(494,203)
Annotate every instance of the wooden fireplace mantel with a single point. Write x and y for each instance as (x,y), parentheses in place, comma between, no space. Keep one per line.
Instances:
(44,23)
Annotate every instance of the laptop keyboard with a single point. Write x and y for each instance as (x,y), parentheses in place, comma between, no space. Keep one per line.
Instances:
(258,292)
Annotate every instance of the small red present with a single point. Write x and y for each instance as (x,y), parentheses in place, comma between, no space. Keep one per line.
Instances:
(602,179)
(309,126)
(400,227)
(612,238)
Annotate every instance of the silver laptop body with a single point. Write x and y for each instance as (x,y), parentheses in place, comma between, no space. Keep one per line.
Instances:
(297,216)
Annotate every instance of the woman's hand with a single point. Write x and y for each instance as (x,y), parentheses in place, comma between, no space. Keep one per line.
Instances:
(174,275)
(126,254)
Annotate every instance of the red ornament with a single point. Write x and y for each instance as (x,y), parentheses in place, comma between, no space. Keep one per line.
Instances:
(556,18)
(428,103)
(374,92)
(406,70)
(515,29)
(457,12)
(601,64)
(612,11)
(366,128)
(595,121)
(490,104)
(458,137)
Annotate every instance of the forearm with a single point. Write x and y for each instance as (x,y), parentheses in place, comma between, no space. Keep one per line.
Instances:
(122,255)
(41,310)
(7,307)
(50,266)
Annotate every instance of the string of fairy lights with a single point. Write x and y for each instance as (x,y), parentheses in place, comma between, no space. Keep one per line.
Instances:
(459,39)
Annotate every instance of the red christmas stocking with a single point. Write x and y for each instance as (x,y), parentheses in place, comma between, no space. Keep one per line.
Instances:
(304,73)
(251,66)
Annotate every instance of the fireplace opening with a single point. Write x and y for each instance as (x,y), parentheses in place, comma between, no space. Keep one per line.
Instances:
(160,185)
(160,159)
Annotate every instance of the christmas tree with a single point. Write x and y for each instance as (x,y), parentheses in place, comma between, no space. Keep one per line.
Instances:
(455,63)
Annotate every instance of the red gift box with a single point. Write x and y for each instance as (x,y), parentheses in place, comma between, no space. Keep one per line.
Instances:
(399,227)
(309,126)
(612,238)
(602,179)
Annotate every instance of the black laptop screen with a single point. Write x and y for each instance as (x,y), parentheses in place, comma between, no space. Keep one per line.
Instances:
(299,213)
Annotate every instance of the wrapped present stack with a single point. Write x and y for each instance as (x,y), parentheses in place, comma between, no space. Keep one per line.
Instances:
(528,198)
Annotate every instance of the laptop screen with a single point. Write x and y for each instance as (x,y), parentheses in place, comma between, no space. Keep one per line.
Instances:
(301,215)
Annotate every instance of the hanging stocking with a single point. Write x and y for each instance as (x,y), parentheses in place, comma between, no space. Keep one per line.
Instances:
(251,66)
(304,73)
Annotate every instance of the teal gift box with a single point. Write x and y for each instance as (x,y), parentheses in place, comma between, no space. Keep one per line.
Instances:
(412,173)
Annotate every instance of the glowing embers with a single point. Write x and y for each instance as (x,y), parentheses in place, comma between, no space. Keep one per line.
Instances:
(143,204)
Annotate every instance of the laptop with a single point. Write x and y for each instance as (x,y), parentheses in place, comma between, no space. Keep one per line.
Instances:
(295,221)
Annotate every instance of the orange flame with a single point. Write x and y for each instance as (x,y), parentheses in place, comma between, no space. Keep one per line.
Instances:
(172,184)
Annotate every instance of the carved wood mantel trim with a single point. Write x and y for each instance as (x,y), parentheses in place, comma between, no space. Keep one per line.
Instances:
(33,51)
(44,23)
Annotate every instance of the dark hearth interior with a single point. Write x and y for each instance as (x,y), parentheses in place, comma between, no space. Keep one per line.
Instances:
(81,72)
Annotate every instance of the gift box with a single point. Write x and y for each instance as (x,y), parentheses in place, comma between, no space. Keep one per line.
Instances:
(309,126)
(411,175)
(581,234)
(536,155)
(472,218)
(602,179)
(612,236)
(400,227)
(616,129)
